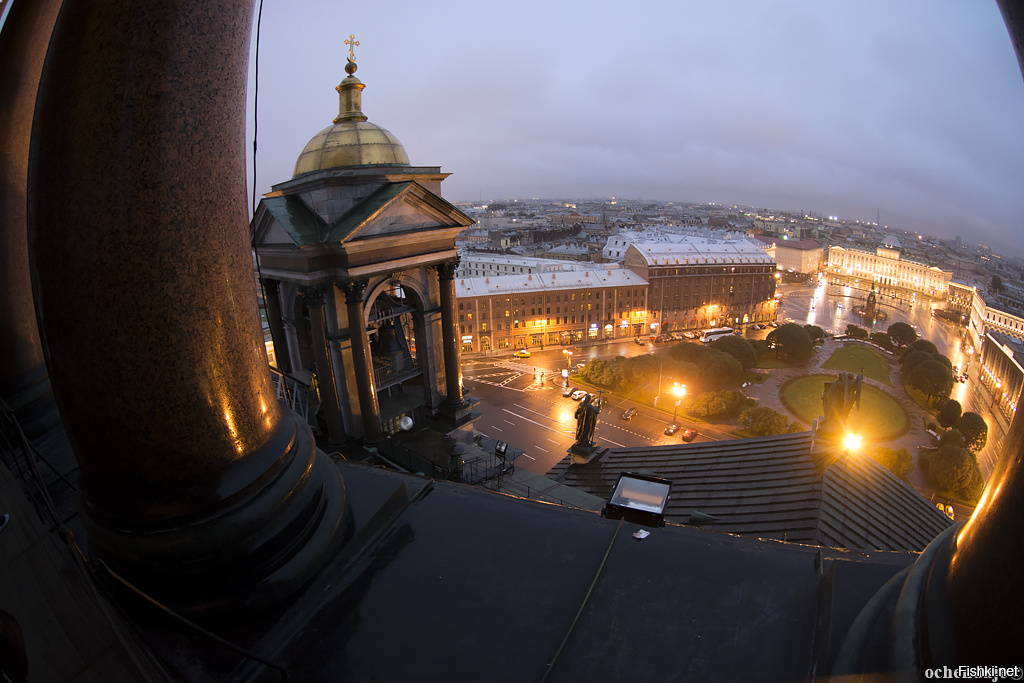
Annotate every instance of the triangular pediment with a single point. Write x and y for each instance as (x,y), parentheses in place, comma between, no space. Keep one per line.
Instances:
(394,210)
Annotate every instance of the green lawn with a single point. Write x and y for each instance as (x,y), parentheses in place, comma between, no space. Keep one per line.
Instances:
(880,418)
(855,358)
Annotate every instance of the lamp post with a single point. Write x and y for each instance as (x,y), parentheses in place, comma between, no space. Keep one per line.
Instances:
(568,364)
(679,390)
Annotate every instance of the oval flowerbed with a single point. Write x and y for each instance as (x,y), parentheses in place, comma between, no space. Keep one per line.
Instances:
(880,418)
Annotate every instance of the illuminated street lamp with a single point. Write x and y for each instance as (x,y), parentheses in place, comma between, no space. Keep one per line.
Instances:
(679,390)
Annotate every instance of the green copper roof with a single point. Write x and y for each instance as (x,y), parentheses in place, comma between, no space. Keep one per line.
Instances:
(301,224)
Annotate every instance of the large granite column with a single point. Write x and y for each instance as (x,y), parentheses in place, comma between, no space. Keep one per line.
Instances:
(363,364)
(196,483)
(272,300)
(326,381)
(23,42)
(450,332)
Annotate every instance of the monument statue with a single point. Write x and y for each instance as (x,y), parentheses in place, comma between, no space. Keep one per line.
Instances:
(586,421)
(838,398)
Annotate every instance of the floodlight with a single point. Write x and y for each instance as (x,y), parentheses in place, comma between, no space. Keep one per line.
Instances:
(638,498)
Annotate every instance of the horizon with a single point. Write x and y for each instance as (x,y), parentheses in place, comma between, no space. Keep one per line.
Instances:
(911,112)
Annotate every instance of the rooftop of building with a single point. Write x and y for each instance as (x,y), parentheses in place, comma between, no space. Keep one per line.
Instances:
(773,487)
(542,282)
(802,245)
(700,250)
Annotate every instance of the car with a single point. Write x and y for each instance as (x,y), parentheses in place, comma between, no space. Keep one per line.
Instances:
(522,353)
(580,366)
(639,342)
(690,335)
(671,429)
(627,414)
(578,395)
(569,391)
(689,435)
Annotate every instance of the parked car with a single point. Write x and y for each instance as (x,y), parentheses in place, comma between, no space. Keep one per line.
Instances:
(690,334)
(569,391)
(522,353)
(671,429)
(689,435)
(627,414)
(578,395)
(639,342)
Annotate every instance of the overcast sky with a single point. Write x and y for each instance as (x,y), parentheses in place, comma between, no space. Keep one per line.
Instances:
(914,109)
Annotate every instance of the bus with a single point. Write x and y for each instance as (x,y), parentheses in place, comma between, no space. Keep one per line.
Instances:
(715,333)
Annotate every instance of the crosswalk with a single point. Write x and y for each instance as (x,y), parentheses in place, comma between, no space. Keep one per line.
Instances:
(509,373)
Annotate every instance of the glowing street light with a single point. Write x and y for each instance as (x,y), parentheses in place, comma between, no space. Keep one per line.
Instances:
(679,390)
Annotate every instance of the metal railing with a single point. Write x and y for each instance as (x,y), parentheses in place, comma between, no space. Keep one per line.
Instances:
(299,396)
(388,375)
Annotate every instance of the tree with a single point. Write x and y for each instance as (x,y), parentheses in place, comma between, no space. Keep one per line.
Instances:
(815,332)
(856,331)
(902,334)
(763,421)
(951,437)
(883,340)
(949,413)
(975,430)
(793,340)
(923,345)
(737,347)
(719,370)
(956,470)
(716,405)
(932,378)
(911,358)
(899,462)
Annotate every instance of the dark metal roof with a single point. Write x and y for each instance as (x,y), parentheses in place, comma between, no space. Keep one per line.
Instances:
(301,223)
(771,487)
(461,584)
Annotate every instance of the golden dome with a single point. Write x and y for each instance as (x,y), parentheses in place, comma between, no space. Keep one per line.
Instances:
(352,140)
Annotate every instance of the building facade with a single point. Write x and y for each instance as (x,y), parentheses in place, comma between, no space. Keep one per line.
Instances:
(537,310)
(798,256)
(698,283)
(886,268)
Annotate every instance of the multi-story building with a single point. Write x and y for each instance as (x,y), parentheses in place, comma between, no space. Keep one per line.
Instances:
(886,267)
(534,310)
(1002,371)
(798,256)
(699,282)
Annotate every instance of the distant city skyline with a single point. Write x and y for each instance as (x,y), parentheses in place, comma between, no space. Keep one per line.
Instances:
(909,110)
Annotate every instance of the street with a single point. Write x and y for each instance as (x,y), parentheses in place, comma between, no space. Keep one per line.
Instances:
(531,414)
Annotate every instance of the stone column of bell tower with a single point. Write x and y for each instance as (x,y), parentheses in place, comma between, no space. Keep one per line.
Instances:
(197,484)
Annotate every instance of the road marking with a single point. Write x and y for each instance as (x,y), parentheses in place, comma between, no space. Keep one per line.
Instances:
(539,449)
(611,442)
(511,423)
(529,456)
(553,441)
(523,417)
(498,428)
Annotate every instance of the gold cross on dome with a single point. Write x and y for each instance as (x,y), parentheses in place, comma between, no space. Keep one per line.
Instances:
(352,43)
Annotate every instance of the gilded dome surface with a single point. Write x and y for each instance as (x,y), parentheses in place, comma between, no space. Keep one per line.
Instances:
(350,143)
(352,140)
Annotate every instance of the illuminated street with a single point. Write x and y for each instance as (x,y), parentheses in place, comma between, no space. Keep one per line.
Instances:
(531,414)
